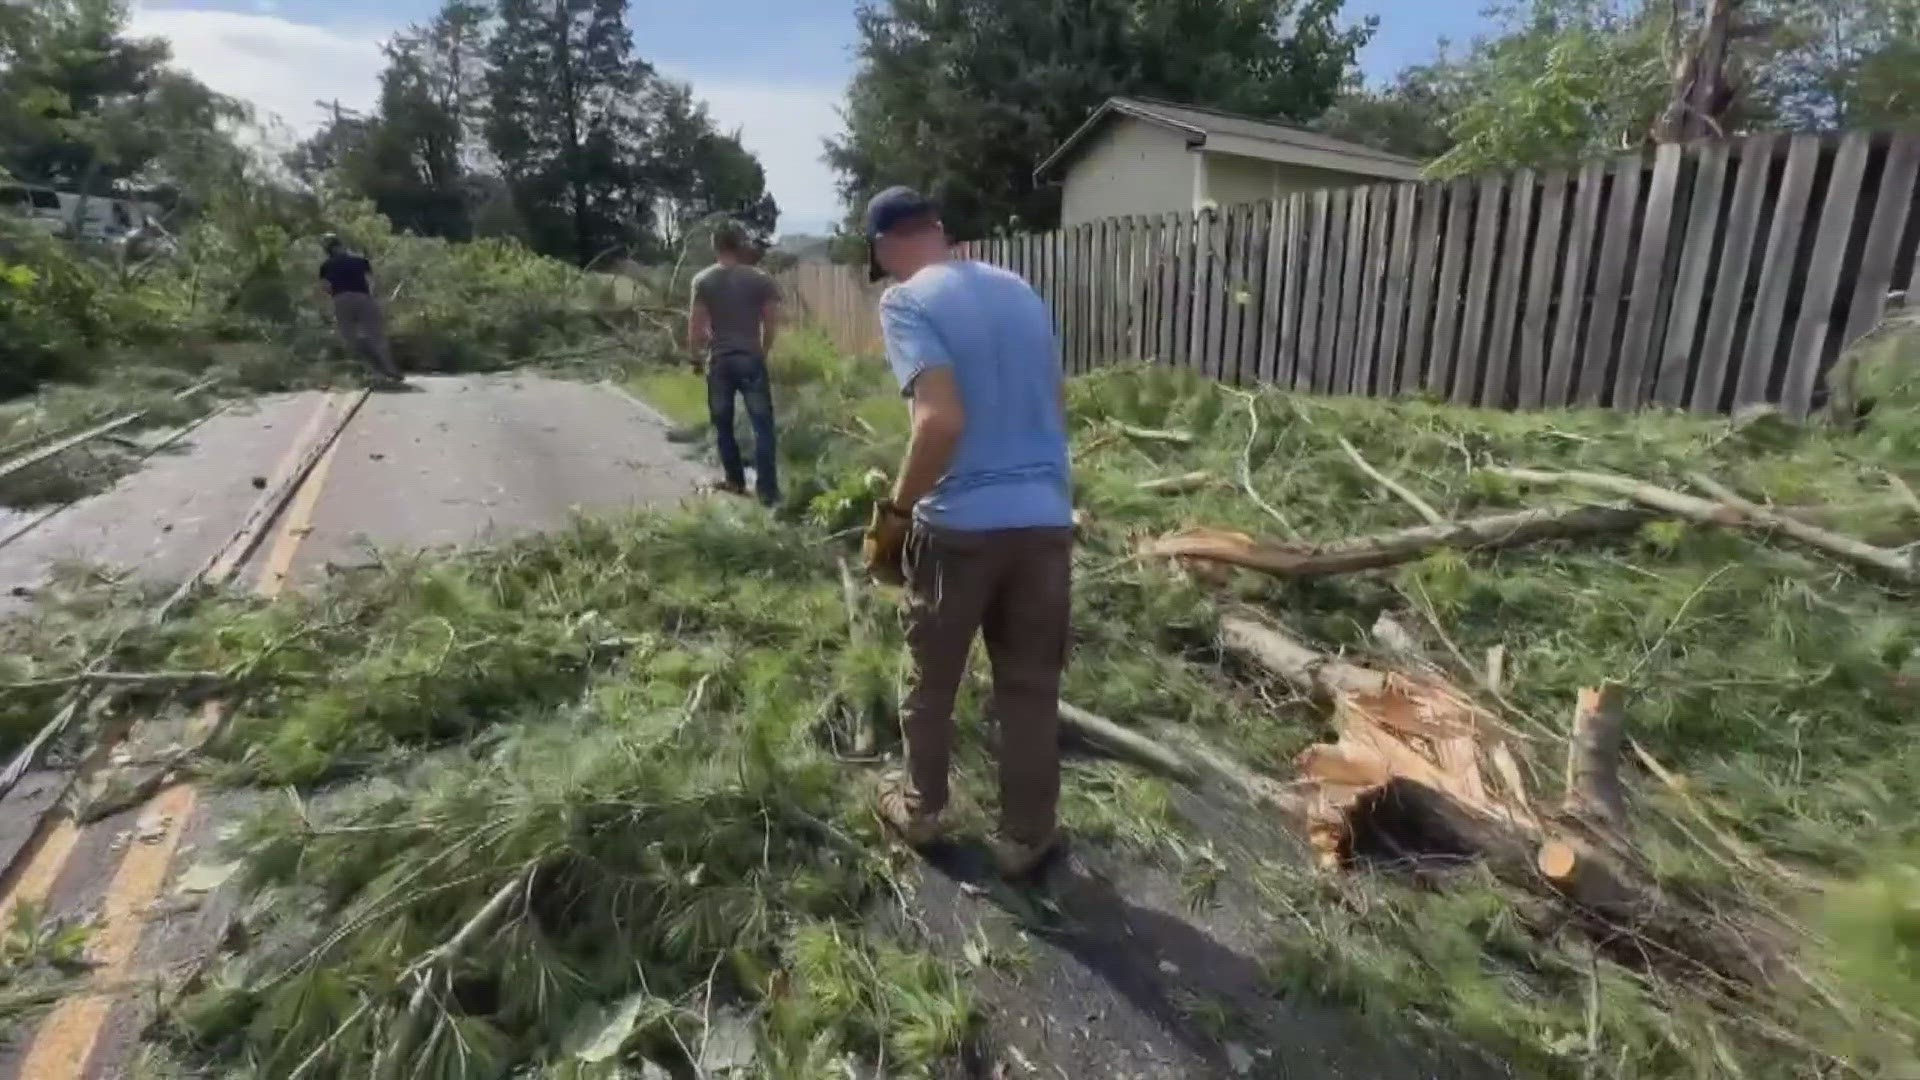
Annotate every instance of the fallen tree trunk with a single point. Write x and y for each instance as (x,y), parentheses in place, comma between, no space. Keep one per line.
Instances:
(1394,548)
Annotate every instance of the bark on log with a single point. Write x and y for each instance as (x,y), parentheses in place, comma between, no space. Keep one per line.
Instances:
(1593,757)
(1305,667)
(1843,547)
(1393,548)
(1702,92)
(1651,496)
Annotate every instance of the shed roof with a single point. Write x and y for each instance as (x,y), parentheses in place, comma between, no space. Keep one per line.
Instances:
(1224,132)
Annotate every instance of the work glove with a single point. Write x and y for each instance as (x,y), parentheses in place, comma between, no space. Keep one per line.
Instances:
(883,549)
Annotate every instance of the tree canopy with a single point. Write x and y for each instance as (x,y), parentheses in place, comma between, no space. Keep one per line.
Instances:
(536,119)
(1563,80)
(85,106)
(963,98)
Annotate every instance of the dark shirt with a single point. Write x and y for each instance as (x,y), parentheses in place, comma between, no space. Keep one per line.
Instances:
(346,273)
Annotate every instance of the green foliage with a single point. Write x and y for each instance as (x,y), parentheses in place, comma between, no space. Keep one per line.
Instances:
(1562,81)
(87,107)
(1409,116)
(963,100)
(1572,80)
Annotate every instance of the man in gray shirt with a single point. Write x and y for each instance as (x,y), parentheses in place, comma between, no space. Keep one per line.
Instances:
(732,324)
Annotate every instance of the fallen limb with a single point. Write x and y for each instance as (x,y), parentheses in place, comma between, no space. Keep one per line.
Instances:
(1175,438)
(124,679)
(1904,490)
(1306,668)
(393,1060)
(1188,761)
(1648,495)
(1393,548)
(1393,487)
(1183,484)
(1844,547)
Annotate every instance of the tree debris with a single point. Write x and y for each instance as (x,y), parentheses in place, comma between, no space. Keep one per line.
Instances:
(1895,563)
(1395,488)
(1391,549)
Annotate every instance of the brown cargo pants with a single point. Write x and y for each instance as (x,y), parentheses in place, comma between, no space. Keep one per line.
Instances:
(1012,586)
(363,327)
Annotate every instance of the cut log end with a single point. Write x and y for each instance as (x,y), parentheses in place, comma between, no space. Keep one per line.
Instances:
(1559,863)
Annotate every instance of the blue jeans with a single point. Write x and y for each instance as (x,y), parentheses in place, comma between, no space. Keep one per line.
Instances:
(744,374)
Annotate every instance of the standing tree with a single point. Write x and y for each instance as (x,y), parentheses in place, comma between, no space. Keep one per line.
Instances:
(700,172)
(567,123)
(964,97)
(84,106)
(1407,116)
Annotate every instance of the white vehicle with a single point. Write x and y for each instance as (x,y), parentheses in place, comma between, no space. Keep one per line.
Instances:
(41,206)
(102,218)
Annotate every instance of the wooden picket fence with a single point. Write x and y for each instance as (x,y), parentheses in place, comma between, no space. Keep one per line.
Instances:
(1705,276)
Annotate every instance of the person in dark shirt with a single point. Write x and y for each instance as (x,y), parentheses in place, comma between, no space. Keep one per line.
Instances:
(348,279)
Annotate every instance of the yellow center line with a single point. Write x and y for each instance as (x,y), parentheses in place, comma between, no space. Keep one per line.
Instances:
(68,1036)
(37,877)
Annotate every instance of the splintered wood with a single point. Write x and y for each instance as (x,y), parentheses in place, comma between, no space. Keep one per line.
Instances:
(1408,761)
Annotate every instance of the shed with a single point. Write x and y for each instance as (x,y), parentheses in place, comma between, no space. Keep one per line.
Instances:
(1139,156)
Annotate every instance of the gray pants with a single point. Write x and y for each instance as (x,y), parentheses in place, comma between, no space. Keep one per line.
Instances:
(363,327)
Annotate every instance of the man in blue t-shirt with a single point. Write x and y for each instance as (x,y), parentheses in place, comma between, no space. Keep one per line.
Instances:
(980,523)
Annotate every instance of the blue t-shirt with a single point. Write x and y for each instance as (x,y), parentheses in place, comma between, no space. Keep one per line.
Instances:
(995,333)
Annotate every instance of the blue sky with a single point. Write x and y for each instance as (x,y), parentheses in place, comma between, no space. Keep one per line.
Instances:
(772,68)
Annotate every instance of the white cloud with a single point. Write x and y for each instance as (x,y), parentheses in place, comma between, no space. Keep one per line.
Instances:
(283,67)
(280,67)
(784,127)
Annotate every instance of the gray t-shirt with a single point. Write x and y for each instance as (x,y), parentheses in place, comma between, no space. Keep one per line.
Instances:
(734,296)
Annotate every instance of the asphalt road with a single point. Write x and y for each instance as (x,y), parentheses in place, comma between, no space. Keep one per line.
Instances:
(454,461)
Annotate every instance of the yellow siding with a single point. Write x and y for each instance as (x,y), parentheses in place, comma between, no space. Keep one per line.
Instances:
(1129,168)
(1231,179)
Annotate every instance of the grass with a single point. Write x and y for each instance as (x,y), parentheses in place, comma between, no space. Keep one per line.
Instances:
(641,729)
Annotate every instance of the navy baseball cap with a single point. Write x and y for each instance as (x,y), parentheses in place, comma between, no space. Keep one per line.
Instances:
(885,212)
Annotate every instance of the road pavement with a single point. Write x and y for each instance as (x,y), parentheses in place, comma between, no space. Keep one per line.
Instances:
(454,461)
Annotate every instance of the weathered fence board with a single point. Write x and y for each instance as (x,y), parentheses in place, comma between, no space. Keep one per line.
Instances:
(1426,256)
(1536,324)
(1890,212)
(1446,318)
(1393,315)
(1379,236)
(1823,274)
(1603,310)
(1647,284)
(1312,286)
(1484,253)
(1495,390)
(1688,297)
(1730,287)
(1282,295)
(1777,270)
(1581,237)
